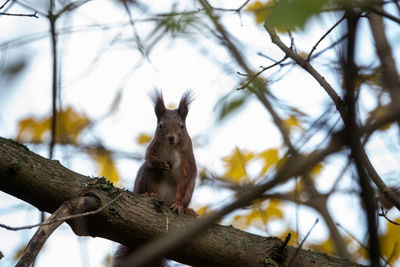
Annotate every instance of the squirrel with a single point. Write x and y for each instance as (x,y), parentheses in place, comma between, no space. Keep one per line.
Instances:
(169,171)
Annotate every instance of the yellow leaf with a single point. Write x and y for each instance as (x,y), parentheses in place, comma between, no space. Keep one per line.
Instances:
(274,210)
(391,240)
(69,123)
(240,222)
(270,157)
(143,139)
(317,169)
(258,214)
(105,163)
(328,246)
(203,210)
(292,122)
(260,10)
(32,130)
(20,251)
(236,165)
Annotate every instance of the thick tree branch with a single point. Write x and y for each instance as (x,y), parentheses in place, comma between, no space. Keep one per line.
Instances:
(353,137)
(390,77)
(47,185)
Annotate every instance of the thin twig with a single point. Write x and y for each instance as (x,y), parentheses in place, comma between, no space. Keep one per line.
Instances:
(397,4)
(359,242)
(352,236)
(323,37)
(3,5)
(20,15)
(253,77)
(238,10)
(138,40)
(302,242)
(72,206)
(53,36)
(384,215)
(65,218)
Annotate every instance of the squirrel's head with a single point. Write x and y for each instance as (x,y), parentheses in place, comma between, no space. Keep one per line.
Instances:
(171,126)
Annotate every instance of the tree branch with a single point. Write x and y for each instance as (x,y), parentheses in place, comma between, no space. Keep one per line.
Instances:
(52,17)
(61,219)
(323,37)
(308,67)
(390,78)
(68,208)
(47,185)
(380,12)
(20,15)
(353,136)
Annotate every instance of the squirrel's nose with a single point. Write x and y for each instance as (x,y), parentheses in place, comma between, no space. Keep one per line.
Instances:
(171,139)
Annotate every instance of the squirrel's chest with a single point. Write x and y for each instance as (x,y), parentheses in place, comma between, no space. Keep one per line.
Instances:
(169,177)
(172,156)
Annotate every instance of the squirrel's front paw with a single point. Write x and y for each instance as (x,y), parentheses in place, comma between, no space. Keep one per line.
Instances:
(176,208)
(163,165)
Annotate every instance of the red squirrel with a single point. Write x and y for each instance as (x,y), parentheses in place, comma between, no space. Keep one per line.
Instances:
(169,171)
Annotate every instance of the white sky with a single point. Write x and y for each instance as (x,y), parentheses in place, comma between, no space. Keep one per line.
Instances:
(176,65)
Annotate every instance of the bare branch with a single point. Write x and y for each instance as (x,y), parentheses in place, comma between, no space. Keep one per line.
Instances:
(238,10)
(53,37)
(308,67)
(384,215)
(61,219)
(359,242)
(254,76)
(44,232)
(302,242)
(323,37)
(3,5)
(20,15)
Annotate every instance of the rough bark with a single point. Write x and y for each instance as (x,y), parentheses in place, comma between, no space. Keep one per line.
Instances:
(46,184)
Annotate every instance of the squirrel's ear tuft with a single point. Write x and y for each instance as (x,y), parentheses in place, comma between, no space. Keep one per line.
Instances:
(158,103)
(183,108)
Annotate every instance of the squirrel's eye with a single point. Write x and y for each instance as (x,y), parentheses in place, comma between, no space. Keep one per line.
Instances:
(182,126)
(160,126)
